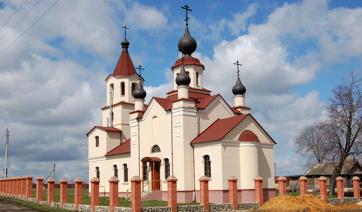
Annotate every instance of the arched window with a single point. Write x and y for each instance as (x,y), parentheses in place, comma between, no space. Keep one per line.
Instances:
(122,89)
(98,174)
(207,166)
(133,86)
(112,116)
(115,170)
(197,78)
(155,149)
(125,172)
(167,167)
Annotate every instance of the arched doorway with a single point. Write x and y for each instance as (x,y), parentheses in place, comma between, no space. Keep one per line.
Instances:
(153,163)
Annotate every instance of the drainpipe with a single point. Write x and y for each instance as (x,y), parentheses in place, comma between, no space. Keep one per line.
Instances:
(172,143)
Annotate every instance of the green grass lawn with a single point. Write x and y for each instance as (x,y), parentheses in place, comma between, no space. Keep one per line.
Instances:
(32,205)
(104,201)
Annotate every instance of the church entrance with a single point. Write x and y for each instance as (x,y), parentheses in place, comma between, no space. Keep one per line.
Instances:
(151,169)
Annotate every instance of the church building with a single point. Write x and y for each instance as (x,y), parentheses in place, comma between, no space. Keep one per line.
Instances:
(189,133)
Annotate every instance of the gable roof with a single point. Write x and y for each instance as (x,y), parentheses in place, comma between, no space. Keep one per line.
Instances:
(328,168)
(219,129)
(124,67)
(107,129)
(123,148)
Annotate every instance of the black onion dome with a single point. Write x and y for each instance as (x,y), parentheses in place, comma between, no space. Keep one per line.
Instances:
(125,44)
(139,92)
(187,44)
(183,78)
(239,88)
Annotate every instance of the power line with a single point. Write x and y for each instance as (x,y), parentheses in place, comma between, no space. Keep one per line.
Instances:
(21,18)
(29,27)
(11,16)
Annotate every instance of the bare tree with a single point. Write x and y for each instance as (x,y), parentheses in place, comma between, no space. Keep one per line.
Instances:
(313,140)
(344,123)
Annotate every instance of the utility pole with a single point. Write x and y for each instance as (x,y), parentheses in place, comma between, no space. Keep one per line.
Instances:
(6,156)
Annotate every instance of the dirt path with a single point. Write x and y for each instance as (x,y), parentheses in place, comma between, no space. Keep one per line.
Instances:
(11,207)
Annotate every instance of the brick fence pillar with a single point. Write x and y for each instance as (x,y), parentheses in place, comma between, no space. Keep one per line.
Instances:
(233,192)
(303,185)
(29,186)
(39,189)
(282,184)
(136,202)
(323,188)
(356,190)
(259,191)
(113,193)
(94,193)
(340,188)
(50,192)
(78,191)
(63,192)
(204,193)
(172,193)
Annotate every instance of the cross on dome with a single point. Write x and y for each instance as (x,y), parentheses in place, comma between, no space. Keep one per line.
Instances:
(125,31)
(238,64)
(140,69)
(187,9)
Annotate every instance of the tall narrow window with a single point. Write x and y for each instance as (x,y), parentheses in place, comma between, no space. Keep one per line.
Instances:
(112,116)
(197,78)
(207,166)
(133,86)
(125,172)
(115,170)
(97,141)
(122,89)
(167,167)
(98,174)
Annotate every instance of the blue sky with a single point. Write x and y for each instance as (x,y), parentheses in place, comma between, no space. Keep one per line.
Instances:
(52,77)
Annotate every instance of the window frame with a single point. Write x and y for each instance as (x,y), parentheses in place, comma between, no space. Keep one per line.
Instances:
(97,140)
(207,165)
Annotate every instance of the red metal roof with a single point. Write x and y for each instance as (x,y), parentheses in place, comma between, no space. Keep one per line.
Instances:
(187,60)
(124,65)
(248,135)
(219,129)
(107,129)
(123,148)
(202,100)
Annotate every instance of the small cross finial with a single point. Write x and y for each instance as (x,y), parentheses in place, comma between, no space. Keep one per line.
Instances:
(238,64)
(187,9)
(125,31)
(140,69)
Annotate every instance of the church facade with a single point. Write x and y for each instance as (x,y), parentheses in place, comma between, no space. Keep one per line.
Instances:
(187,134)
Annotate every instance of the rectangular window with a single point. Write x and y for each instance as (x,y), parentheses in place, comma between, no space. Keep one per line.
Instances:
(97,141)
(125,174)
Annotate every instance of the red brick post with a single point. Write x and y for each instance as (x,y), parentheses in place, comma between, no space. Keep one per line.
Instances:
(303,185)
(323,188)
(63,192)
(136,202)
(29,186)
(113,193)
(356,191)
(340,188)
(282,184)
(94,193)
(259,191)
(39,189)
(204,193)
(233,192)
(172,193)
(78,191)
(50,193)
